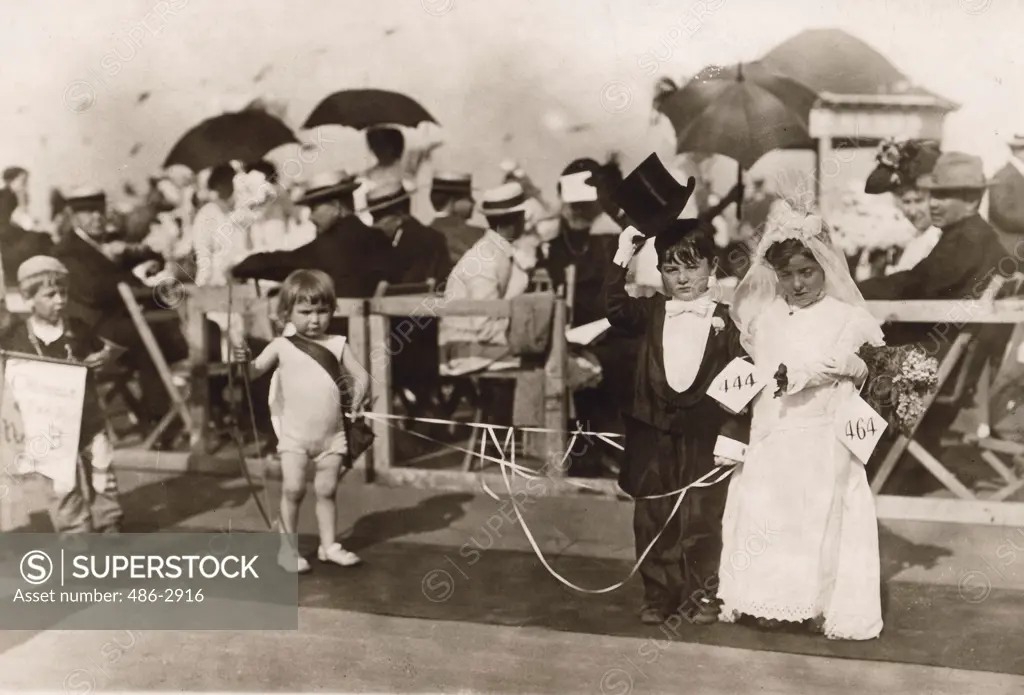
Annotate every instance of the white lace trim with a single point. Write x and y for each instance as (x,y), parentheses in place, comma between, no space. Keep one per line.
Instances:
(731,613)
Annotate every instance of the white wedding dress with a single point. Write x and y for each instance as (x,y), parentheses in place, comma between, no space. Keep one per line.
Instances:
(800,536)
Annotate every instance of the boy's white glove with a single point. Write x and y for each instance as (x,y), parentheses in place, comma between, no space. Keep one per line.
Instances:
(627,246)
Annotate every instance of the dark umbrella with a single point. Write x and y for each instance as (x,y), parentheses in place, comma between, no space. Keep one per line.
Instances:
(743,112)
(245,136)
(363,108)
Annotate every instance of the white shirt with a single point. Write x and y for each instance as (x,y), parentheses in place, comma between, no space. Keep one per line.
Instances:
(917,250)
(684,339)
(46,332)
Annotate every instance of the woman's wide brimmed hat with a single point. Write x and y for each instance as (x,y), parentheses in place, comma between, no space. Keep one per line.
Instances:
(901,164)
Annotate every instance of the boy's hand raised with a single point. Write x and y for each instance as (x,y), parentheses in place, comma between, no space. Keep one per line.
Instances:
(629,241)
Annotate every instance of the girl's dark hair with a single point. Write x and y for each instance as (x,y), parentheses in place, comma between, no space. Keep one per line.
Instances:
(687,242)
(313,286)
(780,253)
(222,181)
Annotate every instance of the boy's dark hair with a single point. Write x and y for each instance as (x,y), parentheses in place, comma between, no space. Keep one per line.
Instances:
(222,181)
(313,286)
(686,242)
(780,253)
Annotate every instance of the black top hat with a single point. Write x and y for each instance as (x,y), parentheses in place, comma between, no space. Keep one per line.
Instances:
(651,197)
(901,164)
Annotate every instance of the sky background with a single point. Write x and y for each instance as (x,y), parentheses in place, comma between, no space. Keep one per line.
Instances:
(539,81)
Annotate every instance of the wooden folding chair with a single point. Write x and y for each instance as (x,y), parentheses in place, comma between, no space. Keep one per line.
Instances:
(957,363)
(141,319)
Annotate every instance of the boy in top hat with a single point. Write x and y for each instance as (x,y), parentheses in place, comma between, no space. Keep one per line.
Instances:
(90,502)
(673,428)
(451,196)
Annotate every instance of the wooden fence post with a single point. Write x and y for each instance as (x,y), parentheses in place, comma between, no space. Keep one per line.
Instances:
(358,342)
(380,390)
(556,412)
(199,391)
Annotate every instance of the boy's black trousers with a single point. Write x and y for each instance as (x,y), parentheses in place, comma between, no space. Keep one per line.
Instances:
(682,567)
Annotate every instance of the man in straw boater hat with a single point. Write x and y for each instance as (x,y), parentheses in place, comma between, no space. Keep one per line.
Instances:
(494,268)
(96,266)
(1006,196)
(451,196)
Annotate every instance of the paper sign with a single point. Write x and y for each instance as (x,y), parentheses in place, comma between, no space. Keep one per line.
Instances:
(574,188)
(859,427)
(736,385)
(588,332)
(42,417)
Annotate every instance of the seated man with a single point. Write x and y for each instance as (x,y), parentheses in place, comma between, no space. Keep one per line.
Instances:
(95,268)
(492,269)
(451,196)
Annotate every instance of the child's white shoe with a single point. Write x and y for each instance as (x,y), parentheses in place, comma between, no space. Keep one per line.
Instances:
(291,561)
(337,555)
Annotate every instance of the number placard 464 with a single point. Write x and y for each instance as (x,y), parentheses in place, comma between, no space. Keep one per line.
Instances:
(861,428)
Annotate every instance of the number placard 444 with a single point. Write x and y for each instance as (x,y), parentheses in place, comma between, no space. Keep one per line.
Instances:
(736,385)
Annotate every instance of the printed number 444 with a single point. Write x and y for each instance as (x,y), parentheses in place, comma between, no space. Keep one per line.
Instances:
(860,429)
(738,382)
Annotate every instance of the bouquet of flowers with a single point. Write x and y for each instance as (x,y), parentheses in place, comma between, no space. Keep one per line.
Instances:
(899,380)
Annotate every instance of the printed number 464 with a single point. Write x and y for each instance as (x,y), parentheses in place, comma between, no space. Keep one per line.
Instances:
(860,429)
(737,382)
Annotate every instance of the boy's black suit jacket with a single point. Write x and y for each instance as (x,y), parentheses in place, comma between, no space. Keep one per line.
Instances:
(653,401)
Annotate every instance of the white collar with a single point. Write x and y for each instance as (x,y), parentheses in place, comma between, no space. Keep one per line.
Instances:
(701,306)
(46,332)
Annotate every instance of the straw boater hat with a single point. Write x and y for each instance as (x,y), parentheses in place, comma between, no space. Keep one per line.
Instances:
(40,265)
(454,183)
(327,186)
(505,199)
(955,171)
(86,199)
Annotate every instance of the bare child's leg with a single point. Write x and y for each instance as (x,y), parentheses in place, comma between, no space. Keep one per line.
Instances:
(293,489)
(326,486)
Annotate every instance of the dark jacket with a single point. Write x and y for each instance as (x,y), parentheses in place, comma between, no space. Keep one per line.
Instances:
(459,235)
(94,300)
(420,254)
(591,255)
(1006,201)
(654,402)
(960,266)
(81,342)
(354,255)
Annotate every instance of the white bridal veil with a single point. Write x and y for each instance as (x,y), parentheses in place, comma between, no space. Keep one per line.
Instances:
(759,287)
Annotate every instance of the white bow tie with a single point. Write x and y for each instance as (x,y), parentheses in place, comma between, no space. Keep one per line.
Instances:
(700,307)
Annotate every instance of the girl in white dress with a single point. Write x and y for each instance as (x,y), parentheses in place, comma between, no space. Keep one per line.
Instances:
(800,533)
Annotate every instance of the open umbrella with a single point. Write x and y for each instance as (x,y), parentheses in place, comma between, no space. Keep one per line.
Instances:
(363,108)
(246,136)
(743,112)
